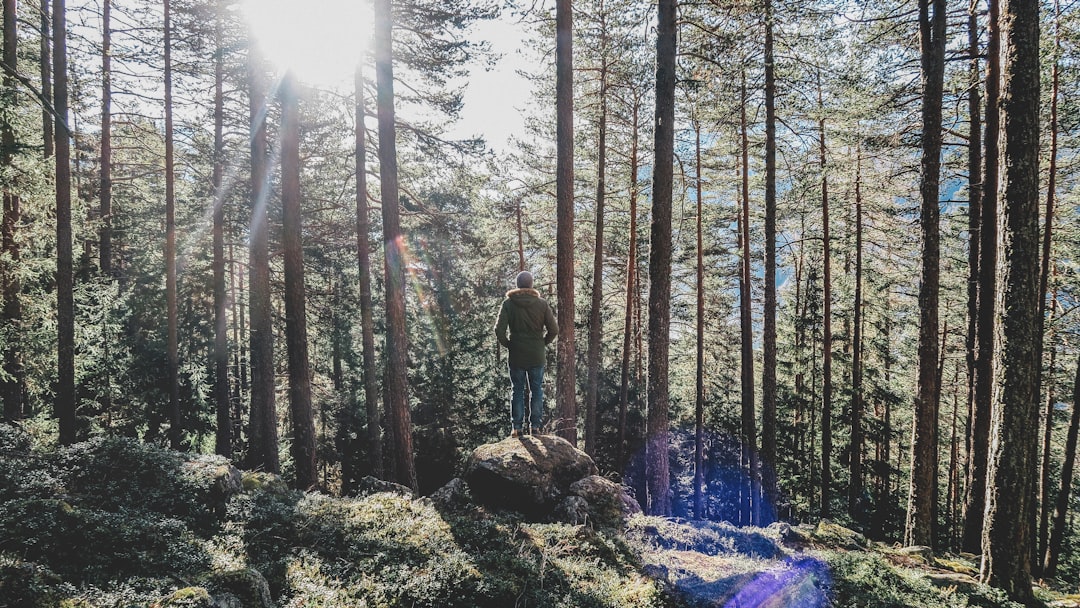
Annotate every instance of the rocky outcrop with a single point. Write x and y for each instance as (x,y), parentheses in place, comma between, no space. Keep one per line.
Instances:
(546,478)
(531,474)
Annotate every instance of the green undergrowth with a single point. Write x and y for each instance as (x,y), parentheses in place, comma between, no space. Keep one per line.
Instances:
(114,522)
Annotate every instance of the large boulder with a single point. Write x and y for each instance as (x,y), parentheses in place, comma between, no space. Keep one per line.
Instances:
(527,474)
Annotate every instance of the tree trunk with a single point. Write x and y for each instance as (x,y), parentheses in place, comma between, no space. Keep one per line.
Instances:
(1061,505)
(746,327)
(768,373)
(262,432)
(303,421)
(975,499)
(922,501)
(1045,490)
(826,324)
(975,189)
(595,327)
(350,468)
(856,504)
(566,374)
(656,450)
(699,373)
(1007,531)
(12,387)
(631,287)
(223,437)
(1044,281)
(65,300)
(105,232)
(399,419)
(45,67)
(172,345)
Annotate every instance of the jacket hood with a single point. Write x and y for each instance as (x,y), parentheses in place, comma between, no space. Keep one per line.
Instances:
(525,293)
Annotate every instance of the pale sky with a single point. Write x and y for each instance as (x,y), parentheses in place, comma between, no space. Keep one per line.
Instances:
(495,100)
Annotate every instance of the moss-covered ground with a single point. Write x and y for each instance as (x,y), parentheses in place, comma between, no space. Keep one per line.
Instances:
(113,522)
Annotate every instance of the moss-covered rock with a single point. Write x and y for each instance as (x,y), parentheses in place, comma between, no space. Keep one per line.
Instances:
(609,504)
(186,597)
(245,587)
(834,535)
(259,481)
(530,474)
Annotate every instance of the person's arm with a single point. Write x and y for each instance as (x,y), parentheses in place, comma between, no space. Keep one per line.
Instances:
(500,326)
(551,324)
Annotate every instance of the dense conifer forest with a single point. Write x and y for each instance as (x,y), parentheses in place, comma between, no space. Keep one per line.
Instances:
(813,264)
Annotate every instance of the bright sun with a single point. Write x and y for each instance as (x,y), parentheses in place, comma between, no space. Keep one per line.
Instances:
(320,40)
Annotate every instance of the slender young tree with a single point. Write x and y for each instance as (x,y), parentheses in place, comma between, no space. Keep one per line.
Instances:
(656,449)
(856,486)
(399,420)
(768,367)
(979,434)
(1044,282)
(262,420)
(922,501)
(45,68)
(631,283)
(367,321)
(746,330)
(566,374)
(12,386)
(1007,532)
(595,325)
(699,318)
(826,325)
(302,417)
(172,344)
(65,278)
(105,194)
(975,188)
(223,435)
(1061,504)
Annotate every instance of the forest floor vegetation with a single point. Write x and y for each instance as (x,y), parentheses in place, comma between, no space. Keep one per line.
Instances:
(114,522)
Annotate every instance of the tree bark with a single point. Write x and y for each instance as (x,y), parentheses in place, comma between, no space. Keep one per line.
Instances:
(566,373)
(105,232)
(399,418)
(172,344)
(657,473)
(595,324)
(262,431)
(1007,531)
(223,437)
(1044,281)
(303,421)
(1045,490)
(856,504)
(975,190)
(699,372)
(631,286)
(922,501)
(746,327)
(12,387)
(45,67)
(367,320)
(65,279)
(768,373)
(826,324)
(975,498)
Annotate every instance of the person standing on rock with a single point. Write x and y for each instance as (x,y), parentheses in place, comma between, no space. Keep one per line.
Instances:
(532,326)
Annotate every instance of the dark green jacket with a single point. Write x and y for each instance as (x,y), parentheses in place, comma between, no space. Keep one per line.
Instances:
(526,315)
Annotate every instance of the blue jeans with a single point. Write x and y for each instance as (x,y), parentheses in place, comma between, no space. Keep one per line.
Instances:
(534,377)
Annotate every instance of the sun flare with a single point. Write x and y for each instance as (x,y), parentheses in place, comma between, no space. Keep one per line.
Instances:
(321,41)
